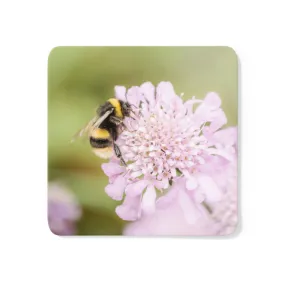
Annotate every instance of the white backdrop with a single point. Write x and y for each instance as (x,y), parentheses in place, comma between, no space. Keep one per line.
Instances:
(30,253)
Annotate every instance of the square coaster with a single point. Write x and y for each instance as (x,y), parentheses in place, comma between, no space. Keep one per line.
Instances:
(142,141)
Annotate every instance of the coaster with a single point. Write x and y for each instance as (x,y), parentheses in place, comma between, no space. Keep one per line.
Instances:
(142,141)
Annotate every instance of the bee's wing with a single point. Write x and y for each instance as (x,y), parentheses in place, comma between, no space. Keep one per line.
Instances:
(84,130)
(94,123)
(102,119)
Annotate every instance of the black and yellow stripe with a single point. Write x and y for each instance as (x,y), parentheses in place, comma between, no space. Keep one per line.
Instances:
(118,107)
(100,133)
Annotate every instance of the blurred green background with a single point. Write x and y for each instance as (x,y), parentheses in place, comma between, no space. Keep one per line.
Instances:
(82,78)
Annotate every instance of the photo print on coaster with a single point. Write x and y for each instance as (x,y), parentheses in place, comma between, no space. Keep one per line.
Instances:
(143,141)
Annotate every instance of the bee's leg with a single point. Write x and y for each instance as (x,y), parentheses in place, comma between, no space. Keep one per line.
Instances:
(117,121)
(119,154)
(123,127)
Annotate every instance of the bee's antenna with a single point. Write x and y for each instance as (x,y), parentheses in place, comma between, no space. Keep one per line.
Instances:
(133,113)
(134,106)
(131,104)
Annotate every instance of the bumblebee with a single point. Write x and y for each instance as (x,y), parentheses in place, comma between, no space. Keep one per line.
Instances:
(104,129)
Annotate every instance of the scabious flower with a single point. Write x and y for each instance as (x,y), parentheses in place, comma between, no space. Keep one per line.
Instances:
(63,210)
(169,142)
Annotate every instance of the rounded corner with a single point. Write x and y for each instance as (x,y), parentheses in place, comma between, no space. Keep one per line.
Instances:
(233,51)
(51,231)
(235,232)
(52,51)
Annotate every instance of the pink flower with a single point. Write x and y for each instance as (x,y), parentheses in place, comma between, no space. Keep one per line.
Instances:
(63,210)
(168,143)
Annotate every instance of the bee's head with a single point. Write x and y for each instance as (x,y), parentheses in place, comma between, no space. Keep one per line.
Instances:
(126,108)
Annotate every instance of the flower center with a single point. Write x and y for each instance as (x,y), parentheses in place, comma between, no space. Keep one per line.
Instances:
(161,142)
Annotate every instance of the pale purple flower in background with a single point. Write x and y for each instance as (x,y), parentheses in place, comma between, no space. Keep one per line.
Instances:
(168,143)
(225,212)
(63,210)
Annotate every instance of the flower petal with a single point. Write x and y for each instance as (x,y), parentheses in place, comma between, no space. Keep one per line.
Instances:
(213,100)
(207,110)
(171,196)
(226,136)
(134,96)
(189,105)
(148,200)
(208,186)
(136,173)
(166,200)
(190,211)
(219,120)
(222,152)
(191,183)
(147,90)
(165,92)
(161,184)
(112,168)
(136,188)
(120,92)
(116,190)
(130,209)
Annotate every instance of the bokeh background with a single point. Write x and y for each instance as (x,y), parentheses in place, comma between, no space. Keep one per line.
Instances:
(82,78)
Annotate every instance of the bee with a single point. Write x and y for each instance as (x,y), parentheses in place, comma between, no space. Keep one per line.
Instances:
(104,129)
